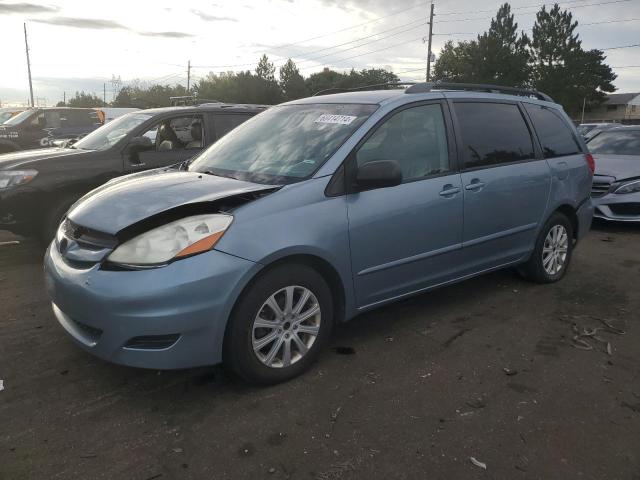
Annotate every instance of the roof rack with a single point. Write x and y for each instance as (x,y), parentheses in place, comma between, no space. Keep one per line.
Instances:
(477,87)
(221,105)
(364,87)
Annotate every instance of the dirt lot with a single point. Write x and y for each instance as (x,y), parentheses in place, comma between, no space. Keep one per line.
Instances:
(409,391)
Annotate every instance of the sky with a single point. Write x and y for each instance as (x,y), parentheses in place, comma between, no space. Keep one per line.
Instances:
(83,44)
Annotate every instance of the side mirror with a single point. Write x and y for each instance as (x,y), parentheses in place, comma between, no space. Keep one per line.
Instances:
(378,174)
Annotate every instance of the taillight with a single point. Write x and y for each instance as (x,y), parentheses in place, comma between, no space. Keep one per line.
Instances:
(591,162)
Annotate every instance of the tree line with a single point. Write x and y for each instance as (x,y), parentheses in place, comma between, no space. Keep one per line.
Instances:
(551,60)
(259,86)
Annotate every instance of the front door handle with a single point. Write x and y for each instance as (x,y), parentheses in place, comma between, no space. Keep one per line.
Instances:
(449,190)
(475,185)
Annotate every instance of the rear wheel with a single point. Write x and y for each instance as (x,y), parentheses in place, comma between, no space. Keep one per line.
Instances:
(279,325)
(552,253)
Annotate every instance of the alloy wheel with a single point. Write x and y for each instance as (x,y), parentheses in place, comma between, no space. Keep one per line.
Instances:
(286,326)
(554,250)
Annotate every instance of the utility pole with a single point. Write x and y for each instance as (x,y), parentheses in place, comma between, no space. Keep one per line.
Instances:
(584,104)
(64,98)
(429,43)
(26,45)
(188,75)
(104,94)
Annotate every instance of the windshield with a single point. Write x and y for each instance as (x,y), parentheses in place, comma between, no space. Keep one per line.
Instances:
(19,118)
(616,142)
(4,116)
(108,135)
(586,128)
(283,144)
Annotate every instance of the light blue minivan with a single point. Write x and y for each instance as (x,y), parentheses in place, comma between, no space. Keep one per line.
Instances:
(313,212)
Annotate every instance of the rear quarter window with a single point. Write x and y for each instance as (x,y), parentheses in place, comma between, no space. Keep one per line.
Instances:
(556,137)
(492,134)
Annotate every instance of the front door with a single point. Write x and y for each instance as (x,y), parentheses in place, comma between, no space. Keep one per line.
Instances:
(506,187)
(406,238)
(171,141)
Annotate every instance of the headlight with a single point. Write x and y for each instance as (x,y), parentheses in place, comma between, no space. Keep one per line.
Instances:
(174,240)
(631,187)
(12,178)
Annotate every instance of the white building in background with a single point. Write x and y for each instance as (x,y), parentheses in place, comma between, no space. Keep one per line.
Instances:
(619,108)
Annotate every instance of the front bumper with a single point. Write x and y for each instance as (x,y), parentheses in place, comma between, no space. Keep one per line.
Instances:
(165,318)
(618,207)
(18,210)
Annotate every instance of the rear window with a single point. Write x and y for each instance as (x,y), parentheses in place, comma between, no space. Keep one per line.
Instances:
(493,134)
(555,136)
(616,142)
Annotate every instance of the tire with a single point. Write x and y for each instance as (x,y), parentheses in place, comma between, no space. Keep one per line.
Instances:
(51,222)
(256,365)
(540,267)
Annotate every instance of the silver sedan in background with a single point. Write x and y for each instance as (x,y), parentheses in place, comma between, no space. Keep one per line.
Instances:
(616,183)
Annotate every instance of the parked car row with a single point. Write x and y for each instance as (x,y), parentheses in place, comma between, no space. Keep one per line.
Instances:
(23,129)
(38,186)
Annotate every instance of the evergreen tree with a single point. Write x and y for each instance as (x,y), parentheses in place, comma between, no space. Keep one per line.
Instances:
(561,68)
(265,69)
(291,82)
(503,54)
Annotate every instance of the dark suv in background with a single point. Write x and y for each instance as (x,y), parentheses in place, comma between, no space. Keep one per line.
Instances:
(37,187)
(40,127)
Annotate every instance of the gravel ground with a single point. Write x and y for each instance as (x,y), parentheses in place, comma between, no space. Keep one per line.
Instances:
(484,369)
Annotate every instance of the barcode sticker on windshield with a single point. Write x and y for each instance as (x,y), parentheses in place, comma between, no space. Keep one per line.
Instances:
(339,119)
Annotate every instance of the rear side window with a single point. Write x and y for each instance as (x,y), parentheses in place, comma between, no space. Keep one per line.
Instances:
(81,118)
(493,134)
(555,136)
(223,124)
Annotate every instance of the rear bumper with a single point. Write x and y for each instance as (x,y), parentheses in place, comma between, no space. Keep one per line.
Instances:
(585,217)
(166,318)
(618,208)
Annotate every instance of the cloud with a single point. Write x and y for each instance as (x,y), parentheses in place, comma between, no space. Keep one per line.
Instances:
(93,23)
(30,8)
(100,24)
(167,34)
(212,18)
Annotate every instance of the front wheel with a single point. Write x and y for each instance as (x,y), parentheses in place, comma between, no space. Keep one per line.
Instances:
(552,253)
(279,325)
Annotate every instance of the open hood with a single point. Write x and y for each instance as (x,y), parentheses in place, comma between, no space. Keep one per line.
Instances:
(128,200)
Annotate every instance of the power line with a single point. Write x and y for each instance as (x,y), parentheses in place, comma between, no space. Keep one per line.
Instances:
(487,18)
(352,27)
(517,7)
(621,46)
(334,63)
(306,55)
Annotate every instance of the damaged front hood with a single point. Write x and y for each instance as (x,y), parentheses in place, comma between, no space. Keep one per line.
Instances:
(620,167)
(128,200)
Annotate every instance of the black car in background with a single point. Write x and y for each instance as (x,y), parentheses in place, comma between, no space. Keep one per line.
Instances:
(37,187)
(40,127)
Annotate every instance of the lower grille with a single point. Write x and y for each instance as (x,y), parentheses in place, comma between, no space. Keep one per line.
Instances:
(91,332)
(625,209)
(152,342)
